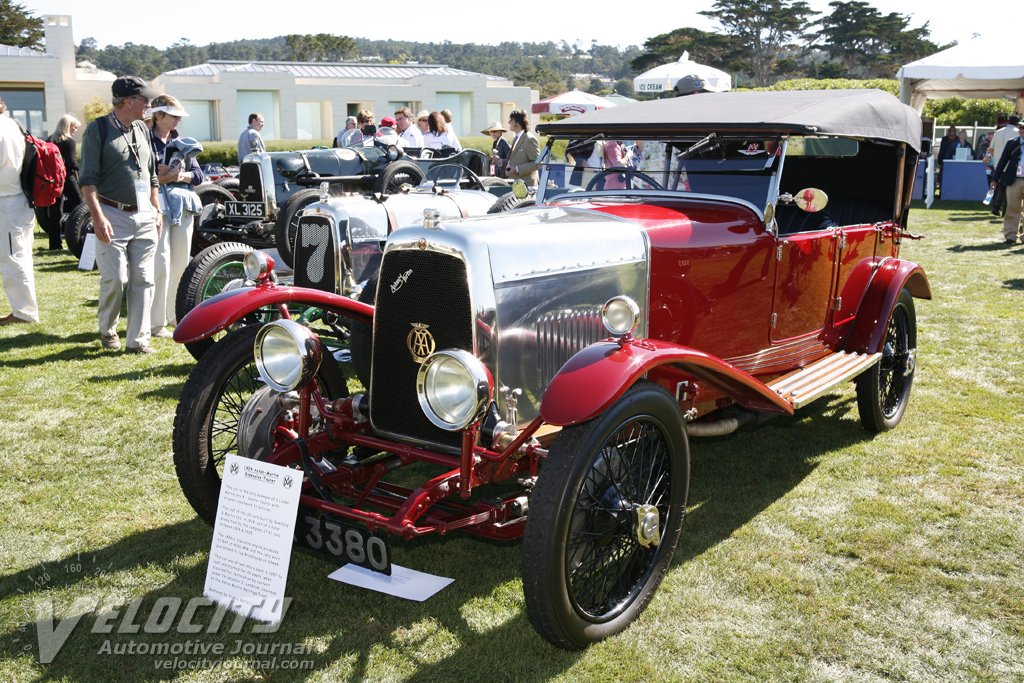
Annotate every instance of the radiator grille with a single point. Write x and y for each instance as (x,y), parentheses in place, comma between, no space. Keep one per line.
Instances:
(316,254)
(429,289)
(561,335)
(250,182)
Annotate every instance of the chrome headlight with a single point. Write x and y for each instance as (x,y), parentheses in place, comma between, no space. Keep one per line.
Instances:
(454,389)
(257,265)
(287,354)
(621,316)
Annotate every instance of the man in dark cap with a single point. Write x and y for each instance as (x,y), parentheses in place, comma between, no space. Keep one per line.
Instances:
(119,184)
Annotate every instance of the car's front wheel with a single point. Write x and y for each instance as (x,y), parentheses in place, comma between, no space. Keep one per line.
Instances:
(286,225)
(207,420)
(883,391)
(605,517)
(216,269)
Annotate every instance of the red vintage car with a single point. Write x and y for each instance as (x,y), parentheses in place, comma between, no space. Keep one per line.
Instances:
(741,262)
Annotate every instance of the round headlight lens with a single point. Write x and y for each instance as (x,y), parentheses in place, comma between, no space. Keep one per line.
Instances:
(453,388)
(287,354)
(621,316)
(257,265)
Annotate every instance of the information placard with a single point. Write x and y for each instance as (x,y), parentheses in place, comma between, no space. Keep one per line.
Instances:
(252,537)
(88,260)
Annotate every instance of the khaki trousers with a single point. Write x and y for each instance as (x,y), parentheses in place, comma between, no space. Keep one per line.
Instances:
(1014,202)
(127,262)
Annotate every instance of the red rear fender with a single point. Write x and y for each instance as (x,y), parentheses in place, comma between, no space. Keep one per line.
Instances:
(217,313)
(598,375)
(868,332)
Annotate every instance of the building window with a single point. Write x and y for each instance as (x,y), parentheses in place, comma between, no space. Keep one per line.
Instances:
(308,121)
(200,123)
(27,107)
(265,102)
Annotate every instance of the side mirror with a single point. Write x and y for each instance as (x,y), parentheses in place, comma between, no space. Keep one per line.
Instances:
(811,199)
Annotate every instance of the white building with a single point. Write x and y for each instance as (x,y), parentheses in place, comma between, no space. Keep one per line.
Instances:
(299,100)
(40,87)
(310,100)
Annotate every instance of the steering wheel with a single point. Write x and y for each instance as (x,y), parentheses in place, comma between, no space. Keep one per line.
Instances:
(474,180)
(622,169)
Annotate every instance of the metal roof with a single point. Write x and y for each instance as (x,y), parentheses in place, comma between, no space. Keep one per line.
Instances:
(360,70)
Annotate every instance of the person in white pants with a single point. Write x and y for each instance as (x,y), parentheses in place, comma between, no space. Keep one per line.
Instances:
(16,221)
(178,173)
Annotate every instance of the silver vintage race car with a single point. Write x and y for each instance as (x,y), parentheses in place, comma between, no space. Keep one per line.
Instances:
(338,241)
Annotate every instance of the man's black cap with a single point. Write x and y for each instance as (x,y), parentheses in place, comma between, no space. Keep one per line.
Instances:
(126,86)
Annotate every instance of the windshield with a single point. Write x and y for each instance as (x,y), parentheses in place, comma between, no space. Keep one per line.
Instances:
(743,168)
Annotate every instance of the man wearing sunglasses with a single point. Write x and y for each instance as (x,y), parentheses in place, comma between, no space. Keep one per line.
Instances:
(119,184)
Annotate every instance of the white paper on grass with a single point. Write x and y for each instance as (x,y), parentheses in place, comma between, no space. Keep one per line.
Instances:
(403,582)
(252,537)
(88,260)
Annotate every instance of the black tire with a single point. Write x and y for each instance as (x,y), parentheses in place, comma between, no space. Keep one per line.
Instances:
(361,335)
(207,275)
(286,225)
(395,174)
(213,193)
(231,185)
(509,202)
(883,391)
(206,422)
(209,193)
(77,225)
(586,574)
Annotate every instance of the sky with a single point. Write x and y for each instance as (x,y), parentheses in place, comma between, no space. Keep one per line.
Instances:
(204,22)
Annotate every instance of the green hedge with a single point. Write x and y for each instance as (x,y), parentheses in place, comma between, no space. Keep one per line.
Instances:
(889,85)
(958,112)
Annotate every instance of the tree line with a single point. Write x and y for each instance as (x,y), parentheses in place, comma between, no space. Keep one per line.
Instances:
(759,42)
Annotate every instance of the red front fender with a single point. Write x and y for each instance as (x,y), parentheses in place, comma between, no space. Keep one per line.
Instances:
(216,313)
(868,332)
(596,376)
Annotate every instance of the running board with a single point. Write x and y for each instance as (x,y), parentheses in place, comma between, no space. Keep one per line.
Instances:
(808,383)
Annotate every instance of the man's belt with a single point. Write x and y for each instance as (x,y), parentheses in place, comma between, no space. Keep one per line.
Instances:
(130,208)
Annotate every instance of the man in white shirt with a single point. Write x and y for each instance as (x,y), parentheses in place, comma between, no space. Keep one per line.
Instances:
(16,222)
(345,135)
(405,124)
(995,151)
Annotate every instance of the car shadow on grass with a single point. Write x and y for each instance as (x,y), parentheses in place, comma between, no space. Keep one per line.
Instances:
(734,478)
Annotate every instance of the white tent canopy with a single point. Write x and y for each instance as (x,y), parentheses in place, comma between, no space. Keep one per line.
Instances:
(664,77)
(977,69)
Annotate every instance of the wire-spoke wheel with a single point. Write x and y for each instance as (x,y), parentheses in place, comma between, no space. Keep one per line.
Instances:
(883,391)
(605,518)
(206,423)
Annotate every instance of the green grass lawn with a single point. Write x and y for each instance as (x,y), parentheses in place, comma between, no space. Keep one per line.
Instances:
(813,551)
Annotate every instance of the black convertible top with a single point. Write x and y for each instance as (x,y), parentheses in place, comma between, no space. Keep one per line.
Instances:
(849,113)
